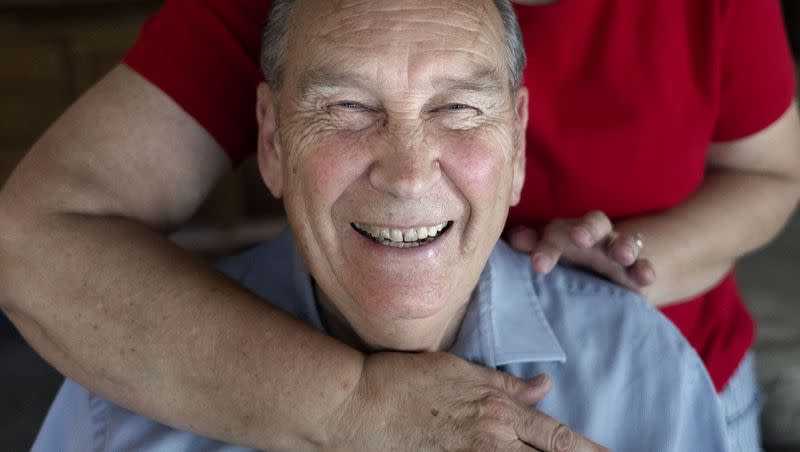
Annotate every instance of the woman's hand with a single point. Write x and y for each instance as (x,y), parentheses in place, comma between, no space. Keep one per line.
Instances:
(436,401)
(589,242)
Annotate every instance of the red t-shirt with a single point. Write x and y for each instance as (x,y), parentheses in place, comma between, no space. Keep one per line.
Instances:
(626,96)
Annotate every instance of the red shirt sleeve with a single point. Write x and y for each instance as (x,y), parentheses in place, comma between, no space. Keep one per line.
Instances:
(204,55)
(757,73)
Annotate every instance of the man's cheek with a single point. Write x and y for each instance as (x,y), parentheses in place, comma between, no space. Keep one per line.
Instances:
(328,171)
(474,167)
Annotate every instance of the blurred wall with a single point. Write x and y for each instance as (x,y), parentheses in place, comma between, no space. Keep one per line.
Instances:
(51,51)
(791,14)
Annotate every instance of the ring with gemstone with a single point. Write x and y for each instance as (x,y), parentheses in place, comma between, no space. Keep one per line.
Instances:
(638,239)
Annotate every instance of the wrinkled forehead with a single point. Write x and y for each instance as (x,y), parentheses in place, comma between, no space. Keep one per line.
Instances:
(356,32)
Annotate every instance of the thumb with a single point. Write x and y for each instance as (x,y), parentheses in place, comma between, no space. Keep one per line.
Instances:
(534,389)
(522,238)
(528,391)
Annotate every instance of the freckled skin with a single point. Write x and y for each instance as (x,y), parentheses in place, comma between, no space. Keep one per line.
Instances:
(395,135)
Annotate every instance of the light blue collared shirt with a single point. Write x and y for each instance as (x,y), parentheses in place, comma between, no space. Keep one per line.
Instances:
(622,374)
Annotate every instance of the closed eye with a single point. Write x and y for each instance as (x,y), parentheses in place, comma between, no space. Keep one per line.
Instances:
(348,105)
(458,107)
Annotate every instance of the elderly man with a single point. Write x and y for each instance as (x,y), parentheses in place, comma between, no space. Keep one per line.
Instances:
(393,131)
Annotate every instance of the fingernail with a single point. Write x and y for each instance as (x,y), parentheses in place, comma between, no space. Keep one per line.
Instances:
(583,236)
(542,262)
(627,254)
(650,276)
(539,380)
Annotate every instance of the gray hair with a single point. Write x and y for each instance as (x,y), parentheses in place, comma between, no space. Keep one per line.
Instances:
(274,42)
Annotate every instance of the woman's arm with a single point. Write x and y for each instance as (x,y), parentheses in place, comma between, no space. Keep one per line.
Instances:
(104,297)
(748,194)
(750,191)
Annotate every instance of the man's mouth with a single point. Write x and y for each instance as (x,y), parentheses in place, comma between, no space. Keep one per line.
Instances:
(402,238)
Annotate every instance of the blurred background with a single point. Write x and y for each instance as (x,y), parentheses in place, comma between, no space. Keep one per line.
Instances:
(53,50)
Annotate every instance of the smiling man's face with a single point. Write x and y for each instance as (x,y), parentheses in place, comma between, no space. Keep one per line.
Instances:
(398,151)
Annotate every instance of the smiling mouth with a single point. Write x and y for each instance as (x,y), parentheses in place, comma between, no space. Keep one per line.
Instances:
(402,238)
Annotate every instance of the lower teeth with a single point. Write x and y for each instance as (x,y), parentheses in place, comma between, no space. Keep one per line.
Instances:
(400,244)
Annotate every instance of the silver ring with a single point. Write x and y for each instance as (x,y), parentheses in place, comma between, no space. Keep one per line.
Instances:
(638,240)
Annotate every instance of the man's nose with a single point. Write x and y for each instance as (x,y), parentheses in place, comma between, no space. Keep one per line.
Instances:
(405,169)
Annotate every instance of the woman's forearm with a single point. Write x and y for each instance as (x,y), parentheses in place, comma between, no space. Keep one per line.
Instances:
(118,308)
(748,195)
(693,246)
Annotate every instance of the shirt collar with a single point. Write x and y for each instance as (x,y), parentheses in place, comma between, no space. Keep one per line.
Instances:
(505,322)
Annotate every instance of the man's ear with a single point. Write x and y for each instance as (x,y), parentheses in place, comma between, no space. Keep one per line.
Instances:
(521,110)
(269,155)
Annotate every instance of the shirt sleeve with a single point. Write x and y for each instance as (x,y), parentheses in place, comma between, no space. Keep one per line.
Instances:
(757,70)
(204,55)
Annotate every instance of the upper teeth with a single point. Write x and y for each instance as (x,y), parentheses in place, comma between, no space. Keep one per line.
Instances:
(401,235)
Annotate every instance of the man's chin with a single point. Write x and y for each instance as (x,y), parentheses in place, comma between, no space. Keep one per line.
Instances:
(408,309)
